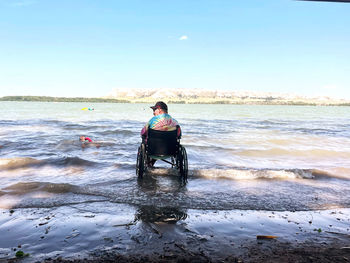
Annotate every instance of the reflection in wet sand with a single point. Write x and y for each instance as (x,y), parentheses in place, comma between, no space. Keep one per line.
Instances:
(153,214)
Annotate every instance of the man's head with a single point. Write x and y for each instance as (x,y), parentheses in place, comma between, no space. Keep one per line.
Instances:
(159,108)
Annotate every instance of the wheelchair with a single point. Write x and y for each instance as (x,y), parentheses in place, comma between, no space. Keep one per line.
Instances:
(164,146)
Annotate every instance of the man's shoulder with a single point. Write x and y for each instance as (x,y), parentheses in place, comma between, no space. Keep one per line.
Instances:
(173,119)
(154,118)
(168,116)
(162,119)
(161,116)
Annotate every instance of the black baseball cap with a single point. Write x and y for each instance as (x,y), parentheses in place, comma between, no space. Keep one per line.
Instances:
(160,105)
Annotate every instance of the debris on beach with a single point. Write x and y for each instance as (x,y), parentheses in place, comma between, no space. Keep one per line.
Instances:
(21,254)
(265,237)
(347,248)
(73,235)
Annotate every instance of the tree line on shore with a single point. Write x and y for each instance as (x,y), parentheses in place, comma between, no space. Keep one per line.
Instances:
(60,99)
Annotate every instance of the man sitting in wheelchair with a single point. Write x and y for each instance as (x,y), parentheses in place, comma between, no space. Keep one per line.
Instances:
(161,140)
(161,121)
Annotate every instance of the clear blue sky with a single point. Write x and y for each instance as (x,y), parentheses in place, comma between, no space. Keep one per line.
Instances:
(87,48)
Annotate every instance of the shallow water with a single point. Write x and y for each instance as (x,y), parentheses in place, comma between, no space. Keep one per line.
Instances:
(240,157)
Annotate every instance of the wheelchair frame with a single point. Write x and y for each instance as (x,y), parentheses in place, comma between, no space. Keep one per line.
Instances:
(162,145)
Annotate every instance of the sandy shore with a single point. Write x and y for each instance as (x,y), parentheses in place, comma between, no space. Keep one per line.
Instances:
(106,232)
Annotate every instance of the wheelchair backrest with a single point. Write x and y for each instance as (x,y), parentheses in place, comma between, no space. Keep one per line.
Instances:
(162,142)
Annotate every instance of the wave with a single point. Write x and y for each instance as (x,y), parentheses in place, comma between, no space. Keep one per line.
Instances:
(28,162)
(29,187)
(118,132)
(75,161)
(252,174)
(279,194)
(243,174)
(278,174)
(44,195)
(18,163)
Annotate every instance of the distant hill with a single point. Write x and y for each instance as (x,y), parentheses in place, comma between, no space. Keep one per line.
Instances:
(220,97)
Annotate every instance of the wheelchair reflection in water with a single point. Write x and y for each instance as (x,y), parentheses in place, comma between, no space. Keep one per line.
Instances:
(152,214)
(164,146)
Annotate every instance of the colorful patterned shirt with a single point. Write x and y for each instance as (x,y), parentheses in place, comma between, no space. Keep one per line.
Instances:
(162,122)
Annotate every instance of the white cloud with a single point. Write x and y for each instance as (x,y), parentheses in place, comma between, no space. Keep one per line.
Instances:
(183,38)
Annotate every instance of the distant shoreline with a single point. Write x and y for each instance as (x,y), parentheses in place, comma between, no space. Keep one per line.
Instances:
(232,101)
(59,99)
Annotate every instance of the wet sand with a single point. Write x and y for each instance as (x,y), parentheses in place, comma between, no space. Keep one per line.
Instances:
(109,232)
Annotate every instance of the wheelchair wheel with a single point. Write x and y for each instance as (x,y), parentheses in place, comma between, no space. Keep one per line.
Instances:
(182,162)
(140,162)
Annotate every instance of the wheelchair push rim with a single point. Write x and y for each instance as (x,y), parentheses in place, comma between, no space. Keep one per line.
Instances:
(182,163)
(140,162)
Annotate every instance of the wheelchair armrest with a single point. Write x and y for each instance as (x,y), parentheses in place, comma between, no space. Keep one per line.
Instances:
(177,129)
